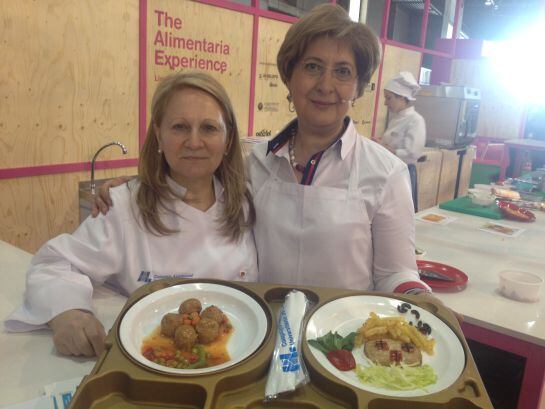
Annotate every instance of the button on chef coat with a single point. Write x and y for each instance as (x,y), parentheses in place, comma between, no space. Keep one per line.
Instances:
(352,228)
(116,248)
(406,134)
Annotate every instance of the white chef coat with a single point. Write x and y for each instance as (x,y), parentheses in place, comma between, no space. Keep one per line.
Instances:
(116,248)
(352,228)
(406,134)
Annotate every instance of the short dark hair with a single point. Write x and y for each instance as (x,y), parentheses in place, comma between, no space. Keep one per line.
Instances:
(330,20)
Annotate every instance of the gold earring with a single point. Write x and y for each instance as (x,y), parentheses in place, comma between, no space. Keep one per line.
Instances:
(291,107)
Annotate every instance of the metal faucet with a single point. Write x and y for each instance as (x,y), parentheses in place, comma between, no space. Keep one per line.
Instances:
(93,187)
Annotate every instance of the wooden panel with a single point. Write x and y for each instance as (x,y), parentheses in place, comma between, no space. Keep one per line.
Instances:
(189,35)
(364,108)
(447,179)
(500,115)
(271,111)
(69,80)
(35,209)
(395,60)
(465,174)
(428,178)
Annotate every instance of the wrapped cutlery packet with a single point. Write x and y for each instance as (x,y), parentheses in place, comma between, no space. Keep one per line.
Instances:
(287,371)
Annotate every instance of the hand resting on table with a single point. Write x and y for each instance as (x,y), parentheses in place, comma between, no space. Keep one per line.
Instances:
(77,332)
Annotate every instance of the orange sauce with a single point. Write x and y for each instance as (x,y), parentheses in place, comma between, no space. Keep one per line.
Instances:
(163,346)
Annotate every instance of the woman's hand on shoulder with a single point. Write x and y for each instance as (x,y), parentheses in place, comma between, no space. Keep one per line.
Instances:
(103,201)
(77,332)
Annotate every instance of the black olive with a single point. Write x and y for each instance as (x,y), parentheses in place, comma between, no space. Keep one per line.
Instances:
(416,314)
(426,328)
(410,323)
(401,309)
(406,305)
(419,324)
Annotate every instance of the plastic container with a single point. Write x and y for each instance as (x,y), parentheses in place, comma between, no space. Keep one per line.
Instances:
(520,285)
(481,197)
(119,381)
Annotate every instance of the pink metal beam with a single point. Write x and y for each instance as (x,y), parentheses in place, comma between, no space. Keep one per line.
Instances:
(40,170)
(534,370)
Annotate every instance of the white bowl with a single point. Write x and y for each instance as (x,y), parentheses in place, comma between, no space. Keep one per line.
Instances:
(520,285)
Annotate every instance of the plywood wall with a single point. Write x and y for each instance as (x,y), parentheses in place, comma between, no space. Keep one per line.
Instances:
(68,79)
(500,115)
(395,60)
(271,110)
(364,108)
(68,85)
(185,35)
(35,209)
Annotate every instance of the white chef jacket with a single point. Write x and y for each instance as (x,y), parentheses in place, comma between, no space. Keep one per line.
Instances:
(383,259)
(406,134)
(115,247)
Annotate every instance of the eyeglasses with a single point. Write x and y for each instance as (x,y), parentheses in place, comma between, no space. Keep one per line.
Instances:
(343,74)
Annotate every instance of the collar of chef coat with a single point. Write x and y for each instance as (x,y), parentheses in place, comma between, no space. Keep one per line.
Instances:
(280,147)
(404,112)
(181,190)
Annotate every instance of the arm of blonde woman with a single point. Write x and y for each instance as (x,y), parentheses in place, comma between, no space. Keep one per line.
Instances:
(103,201)
(77,332)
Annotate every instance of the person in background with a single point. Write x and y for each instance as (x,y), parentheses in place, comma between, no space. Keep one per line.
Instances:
(405,135)
(188,214)
(333,208)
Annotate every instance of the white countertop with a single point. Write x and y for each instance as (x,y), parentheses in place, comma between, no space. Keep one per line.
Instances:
(28,361)
(482,255)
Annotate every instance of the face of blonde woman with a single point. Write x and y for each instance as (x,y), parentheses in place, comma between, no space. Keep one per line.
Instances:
(323,84)
(394,102)
(192,136)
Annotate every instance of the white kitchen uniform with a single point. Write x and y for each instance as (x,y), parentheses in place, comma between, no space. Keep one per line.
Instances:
(352,228)
(116,248)
(406,134)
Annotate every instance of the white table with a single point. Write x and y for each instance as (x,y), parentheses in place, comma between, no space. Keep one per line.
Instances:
(28,361)
(490,318)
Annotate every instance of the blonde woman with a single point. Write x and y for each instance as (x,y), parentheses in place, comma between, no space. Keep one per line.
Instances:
(188,214)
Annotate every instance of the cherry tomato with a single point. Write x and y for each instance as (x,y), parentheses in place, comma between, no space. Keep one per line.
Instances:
(342,359)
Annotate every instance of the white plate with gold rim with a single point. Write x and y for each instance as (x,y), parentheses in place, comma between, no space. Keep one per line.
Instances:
(246,315)
(347,314)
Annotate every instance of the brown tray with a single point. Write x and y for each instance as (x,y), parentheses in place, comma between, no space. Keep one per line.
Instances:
(117,381)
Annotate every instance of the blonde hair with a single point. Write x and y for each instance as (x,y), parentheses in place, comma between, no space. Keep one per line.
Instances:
(154,193)
(330,20)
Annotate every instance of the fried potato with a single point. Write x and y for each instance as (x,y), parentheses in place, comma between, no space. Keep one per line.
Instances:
(393,327)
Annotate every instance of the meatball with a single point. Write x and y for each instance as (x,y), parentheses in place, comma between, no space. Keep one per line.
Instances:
(185,337)
(169,323)
(208,330)
(214,313)
(190,305)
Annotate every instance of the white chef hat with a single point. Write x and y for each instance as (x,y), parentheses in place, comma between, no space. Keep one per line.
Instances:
(403,84)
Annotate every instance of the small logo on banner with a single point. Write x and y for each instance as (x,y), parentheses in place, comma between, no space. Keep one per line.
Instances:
(148,276)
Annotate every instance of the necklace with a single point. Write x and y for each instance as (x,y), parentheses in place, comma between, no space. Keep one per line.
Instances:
(294,164)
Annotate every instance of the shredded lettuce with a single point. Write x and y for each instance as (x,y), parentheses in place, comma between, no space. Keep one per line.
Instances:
(397,377)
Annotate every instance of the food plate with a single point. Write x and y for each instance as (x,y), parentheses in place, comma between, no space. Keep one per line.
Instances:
(249,321)
(460,279)
(513,212)
(347,314)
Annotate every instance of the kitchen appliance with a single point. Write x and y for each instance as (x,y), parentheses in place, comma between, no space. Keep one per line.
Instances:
(451,114)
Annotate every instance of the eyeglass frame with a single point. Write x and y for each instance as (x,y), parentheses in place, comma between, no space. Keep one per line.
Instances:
(325,68)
